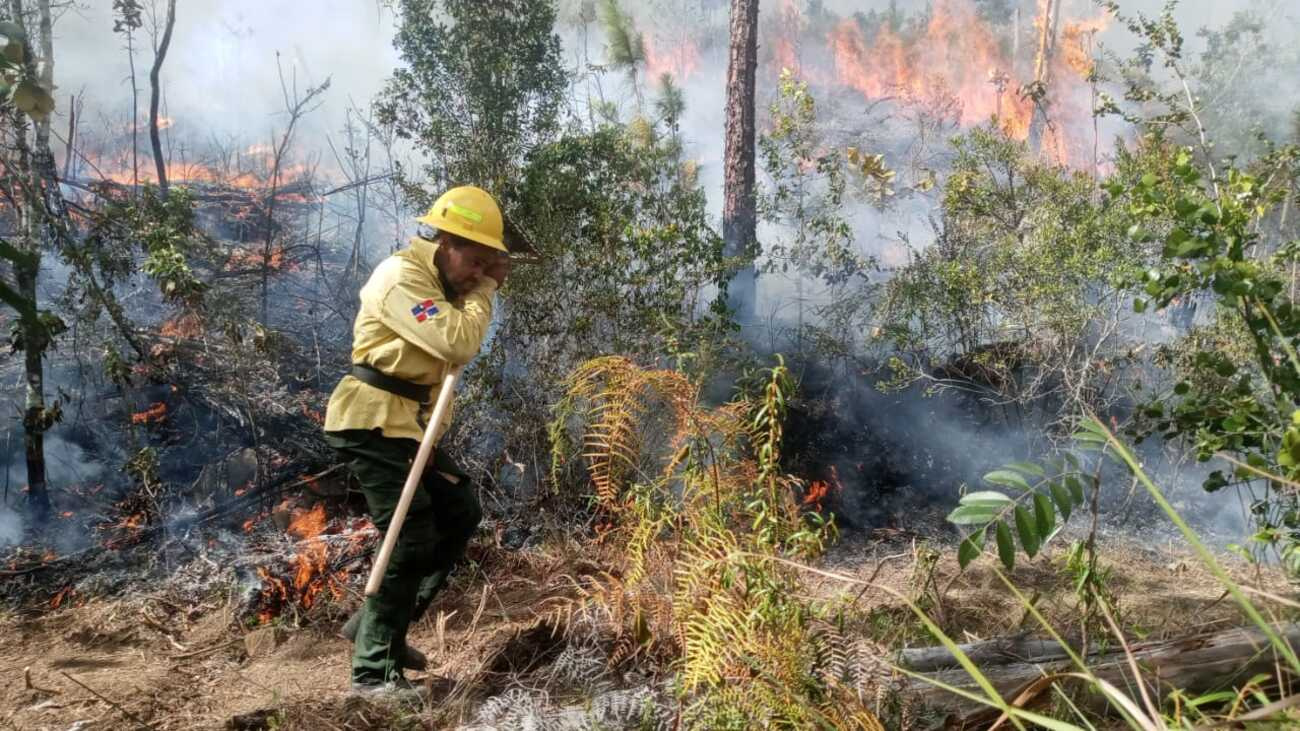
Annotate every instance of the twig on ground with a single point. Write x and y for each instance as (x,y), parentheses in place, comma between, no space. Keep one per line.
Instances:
(482,604)
(29,685)
(134,718)
(879,566)
(206,650)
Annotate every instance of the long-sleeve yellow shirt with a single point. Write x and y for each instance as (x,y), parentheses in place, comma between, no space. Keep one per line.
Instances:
(407,328)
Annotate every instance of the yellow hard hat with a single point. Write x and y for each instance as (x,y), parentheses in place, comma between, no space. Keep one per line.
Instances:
(470,213)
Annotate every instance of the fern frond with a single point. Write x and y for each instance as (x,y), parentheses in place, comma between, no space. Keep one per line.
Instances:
(699,530)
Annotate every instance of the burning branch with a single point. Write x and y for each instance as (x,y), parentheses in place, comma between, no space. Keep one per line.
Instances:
(156,412)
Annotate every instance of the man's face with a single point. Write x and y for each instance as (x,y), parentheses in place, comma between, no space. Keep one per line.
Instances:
(463,263)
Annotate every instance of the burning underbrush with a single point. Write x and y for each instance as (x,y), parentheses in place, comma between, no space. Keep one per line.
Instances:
(291,549)
(316,558)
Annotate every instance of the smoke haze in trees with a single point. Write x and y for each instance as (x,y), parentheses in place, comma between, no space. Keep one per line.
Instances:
(221,84)
(220,77)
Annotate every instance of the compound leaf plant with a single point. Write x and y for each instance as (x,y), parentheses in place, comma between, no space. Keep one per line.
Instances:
(1029,509)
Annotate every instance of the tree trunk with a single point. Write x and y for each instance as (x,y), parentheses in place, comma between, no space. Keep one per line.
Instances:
(739,218)
(30,218)
(155,92)
(1017,668)
(72,137)
(34,418)
(1043,73)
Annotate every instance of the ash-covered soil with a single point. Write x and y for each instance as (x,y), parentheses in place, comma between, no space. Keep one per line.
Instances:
(503,654)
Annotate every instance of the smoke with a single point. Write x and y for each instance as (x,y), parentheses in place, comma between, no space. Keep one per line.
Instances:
(66,463)
(220,76)
(222,84)
(11,526)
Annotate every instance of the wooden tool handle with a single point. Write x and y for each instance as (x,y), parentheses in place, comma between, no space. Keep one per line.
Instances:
(412,481)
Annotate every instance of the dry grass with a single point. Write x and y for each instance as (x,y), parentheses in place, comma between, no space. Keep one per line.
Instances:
(1161,592)
(496,630)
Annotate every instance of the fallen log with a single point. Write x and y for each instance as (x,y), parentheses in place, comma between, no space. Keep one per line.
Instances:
(997,651)
(1016,667)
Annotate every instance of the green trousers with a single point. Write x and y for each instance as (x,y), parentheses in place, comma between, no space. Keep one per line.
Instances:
(442,518)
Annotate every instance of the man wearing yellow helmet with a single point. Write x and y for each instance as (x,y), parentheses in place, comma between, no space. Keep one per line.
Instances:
(423,311)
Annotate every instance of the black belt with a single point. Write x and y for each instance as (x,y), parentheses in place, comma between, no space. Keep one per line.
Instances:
(372,376)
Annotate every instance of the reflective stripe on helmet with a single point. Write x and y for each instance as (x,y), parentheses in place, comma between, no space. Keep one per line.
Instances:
(465,213)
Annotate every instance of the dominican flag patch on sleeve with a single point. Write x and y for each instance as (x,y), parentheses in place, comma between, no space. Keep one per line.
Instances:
(424,311)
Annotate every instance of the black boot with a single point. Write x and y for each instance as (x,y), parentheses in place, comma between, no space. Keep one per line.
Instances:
(412,659)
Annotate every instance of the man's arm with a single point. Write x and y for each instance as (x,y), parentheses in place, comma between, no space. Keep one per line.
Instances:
(421,315)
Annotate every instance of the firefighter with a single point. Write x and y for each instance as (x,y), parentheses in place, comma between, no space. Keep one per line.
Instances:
(423,311)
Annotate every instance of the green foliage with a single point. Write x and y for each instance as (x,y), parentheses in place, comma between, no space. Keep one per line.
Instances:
(671,103)
(1042,501)
(1229,87)
(162,229)
(127,16)
(805,193)
(626,49)
(628,246)
(482,86)
(19,260)
(1021,280)
(1238,380)
(18,83)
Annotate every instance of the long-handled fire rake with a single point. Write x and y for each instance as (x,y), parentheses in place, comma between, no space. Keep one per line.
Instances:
(427,445)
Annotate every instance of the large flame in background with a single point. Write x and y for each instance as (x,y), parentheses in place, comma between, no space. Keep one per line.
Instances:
(956,63)
(681,59)
(957,55)
(250,168)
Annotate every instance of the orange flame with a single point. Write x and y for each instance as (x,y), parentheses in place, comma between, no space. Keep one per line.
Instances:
(187,325)
(958,61)
(62,595)
(308,523)
(250,169)
(309,568)
(1076,42)
(247,259)
(156,412)
(816,492)
(310,576)
(681,60)
(956,55)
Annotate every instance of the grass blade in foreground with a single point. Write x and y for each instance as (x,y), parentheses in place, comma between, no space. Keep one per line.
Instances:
(1093,430)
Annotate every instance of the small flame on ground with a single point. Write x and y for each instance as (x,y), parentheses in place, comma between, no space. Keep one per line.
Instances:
(309,574)
(247,259)
(816,492)
(63,594)
(156,412)
(187,325)
(308,524)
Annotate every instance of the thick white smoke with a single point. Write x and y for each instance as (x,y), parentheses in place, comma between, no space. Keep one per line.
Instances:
(220,76)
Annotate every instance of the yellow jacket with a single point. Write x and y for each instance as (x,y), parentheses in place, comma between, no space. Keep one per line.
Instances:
(408,329)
